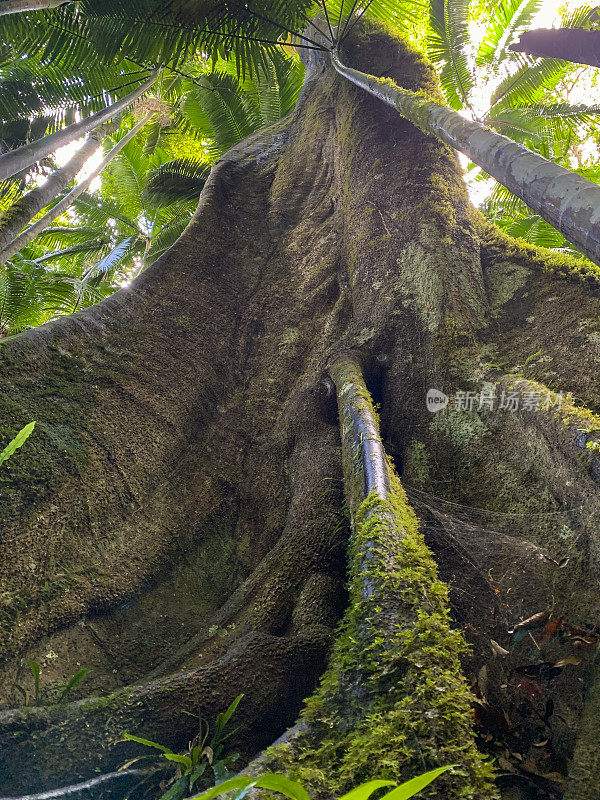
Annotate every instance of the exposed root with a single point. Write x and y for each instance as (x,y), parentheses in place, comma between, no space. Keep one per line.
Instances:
(394,683)
(44,746)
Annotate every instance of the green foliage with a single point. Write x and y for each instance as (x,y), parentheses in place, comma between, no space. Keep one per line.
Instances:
(96,34)
(17,442)
(204,761)
(224,108)
(406,16)
(31,293)
(179,179)
(447,42)
(73,683)
(295,791)
(505,20)
(36,699)
(147,197)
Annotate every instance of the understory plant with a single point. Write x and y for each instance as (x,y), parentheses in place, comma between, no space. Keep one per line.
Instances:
(35,698)
(17,442)
(203,764)
(275,782)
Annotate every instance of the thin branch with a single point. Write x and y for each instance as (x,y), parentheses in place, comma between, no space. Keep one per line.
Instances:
(340,18)
(316,27)
(251,12)
(265,41)
(328,21)
(341,35)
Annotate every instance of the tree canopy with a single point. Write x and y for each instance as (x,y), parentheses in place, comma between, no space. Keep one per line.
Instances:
(225,70)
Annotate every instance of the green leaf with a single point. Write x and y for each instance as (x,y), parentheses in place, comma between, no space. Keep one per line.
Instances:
(197,773)
(220,723)
(283,785)
(130,738)
(185,761)
(177,790)
(227,786)
(22,691)
(35,671)
(8,451)
(529,83)
(77,678)
(365,790)
(224,717)
(447,47)
(507,18)
(414,785)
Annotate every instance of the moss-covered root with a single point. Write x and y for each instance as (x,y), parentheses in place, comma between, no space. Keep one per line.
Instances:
(393,702)
(363,455)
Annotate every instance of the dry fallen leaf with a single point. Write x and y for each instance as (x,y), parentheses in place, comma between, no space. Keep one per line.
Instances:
(568,660)
(550,630)
(482,680)
(505,764)
(531,622)
(498,649)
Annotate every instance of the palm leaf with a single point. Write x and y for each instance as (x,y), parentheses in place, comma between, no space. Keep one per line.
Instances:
(529,84)
(447,44)
(180,179)
(507,18)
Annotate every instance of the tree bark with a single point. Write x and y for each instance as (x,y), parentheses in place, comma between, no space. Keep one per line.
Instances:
(19,6)
(577,45)
(41,224)
(23,157)
(567,201)
(177,523)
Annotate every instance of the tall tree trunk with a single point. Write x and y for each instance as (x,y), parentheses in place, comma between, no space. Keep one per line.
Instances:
(67,201)
(18,6)
(23,157)
(567,201)
(578,45)
(177,523)
(15,218)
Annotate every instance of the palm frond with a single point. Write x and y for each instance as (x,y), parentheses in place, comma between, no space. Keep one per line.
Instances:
(507,18)
(399,15)
(175,222)
(180,179)
(556,121)
(447,44)
(529,84)
(117,256)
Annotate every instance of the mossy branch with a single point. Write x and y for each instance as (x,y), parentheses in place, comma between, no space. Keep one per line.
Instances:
(567,201)
(393,701)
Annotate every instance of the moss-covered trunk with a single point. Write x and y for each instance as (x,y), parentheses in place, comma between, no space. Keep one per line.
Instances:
(177,522)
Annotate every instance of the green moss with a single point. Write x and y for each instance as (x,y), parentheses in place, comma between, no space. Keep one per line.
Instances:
(498,246)
(392,703)
(417,465)
(289,337)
